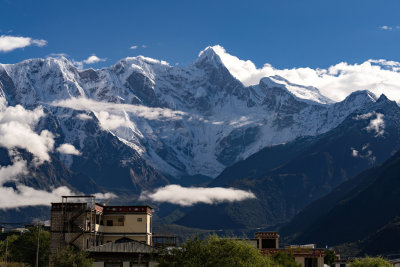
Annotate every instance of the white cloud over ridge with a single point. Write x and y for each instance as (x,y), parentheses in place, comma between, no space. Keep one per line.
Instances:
(189,196)
(93,59)
(9,43)
(377,124)
(336,82)
(68,149)
(11,172)
(90,60)
(106,111)
(16,131)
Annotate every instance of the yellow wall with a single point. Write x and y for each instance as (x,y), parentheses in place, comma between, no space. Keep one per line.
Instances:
(131,224)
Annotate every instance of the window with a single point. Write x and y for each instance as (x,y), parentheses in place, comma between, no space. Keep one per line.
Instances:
(139,219)
(120,221)
(310,262)
(109,222)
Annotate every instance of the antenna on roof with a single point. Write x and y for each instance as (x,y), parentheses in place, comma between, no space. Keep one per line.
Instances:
(107,201)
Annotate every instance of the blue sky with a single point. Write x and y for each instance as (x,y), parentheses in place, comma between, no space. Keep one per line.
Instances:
(283,33)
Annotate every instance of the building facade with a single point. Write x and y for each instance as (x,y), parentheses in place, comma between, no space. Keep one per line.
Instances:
(87,225)
(305,255)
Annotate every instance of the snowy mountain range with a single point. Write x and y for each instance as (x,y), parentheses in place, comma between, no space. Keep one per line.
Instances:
(190,120)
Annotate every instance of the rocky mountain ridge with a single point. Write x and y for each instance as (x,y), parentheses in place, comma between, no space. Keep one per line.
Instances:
(193,120)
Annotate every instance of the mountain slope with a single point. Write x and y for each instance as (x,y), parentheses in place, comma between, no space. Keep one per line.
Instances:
(368,204)
(288,177)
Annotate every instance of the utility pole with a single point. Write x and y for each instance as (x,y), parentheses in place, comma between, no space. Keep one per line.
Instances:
(5,260)
(38,243)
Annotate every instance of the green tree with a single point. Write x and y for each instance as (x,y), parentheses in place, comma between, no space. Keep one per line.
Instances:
(68,257)
(216,251)
(22,248)
(371,262)
(330,256)
(284,259)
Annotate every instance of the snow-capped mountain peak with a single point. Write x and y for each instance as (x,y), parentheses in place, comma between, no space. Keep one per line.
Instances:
(191,120)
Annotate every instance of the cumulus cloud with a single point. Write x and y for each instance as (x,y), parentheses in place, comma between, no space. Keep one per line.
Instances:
(68,149)
(133,47)
(377,124)
(9,43)
(93,59)
(112,122)
(106,111)
(90,60)
(12,172)
(188,196)
(336,82)
(16,131)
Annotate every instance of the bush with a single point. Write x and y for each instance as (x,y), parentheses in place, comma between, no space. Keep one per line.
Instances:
(216,251)
(370,262)
(68,257)
(330,256)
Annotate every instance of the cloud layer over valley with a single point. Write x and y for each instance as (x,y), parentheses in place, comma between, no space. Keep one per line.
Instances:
(189,196)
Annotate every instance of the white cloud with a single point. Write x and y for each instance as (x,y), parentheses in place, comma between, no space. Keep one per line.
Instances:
(354,152)
(364,153)
(68,149)
(188,196)
(386,28)
(24,196)
(104,109)
(90,60)
(377,124)
(57,55)
(105,195)
(336,82)
(83,116)
(9,43)
(16,131)
(144,46)
(39,43)
(133,47)
(12,172)
(93,59)
(112,122)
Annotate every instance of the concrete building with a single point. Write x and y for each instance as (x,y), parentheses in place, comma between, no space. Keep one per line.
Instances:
(306,255)
(87,225)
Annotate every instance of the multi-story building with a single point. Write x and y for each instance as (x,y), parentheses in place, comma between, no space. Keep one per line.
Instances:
(305,255)
(88,224)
